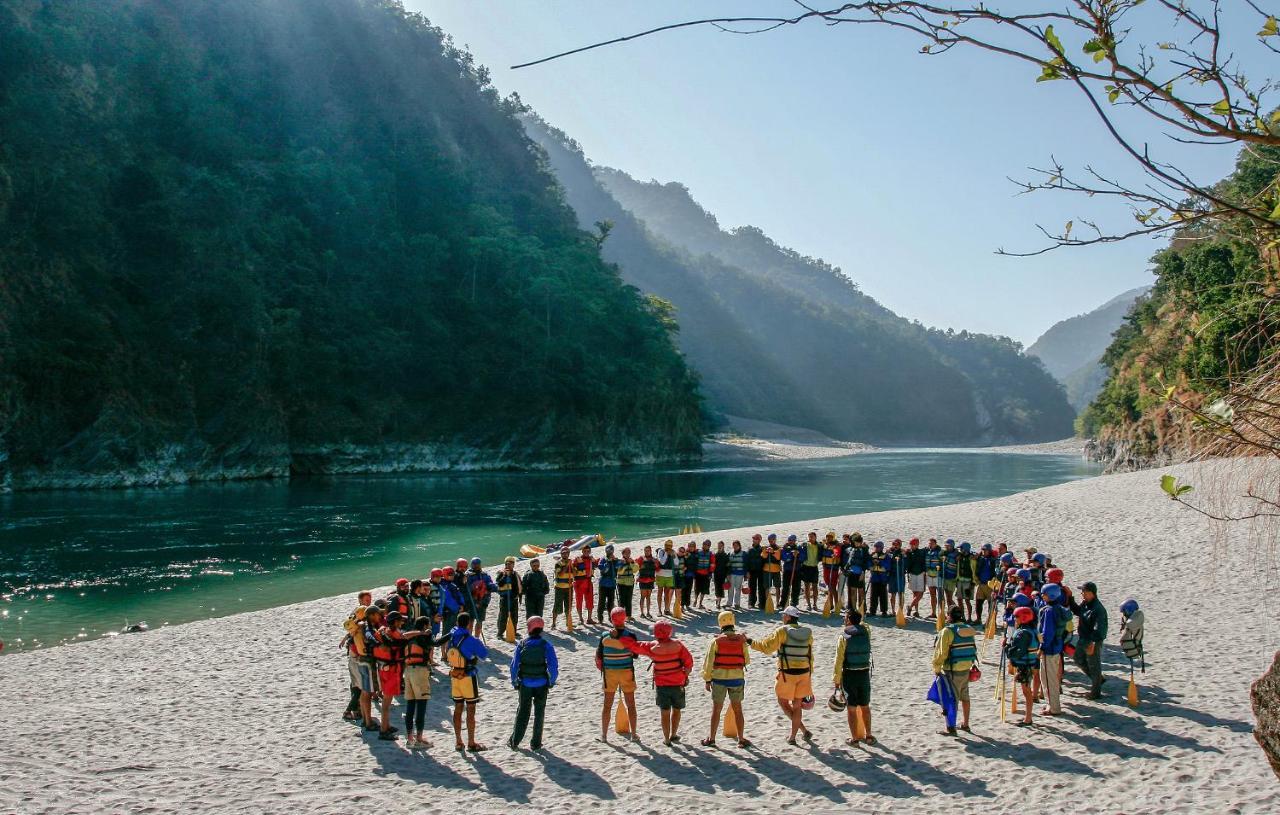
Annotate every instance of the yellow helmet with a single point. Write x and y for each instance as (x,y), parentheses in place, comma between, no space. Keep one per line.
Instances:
(725,619)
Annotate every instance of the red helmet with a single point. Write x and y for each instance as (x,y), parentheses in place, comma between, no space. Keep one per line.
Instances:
(1011,573)
(1023,615)
(447,571)
(618,617)
(460,563)
(1053,575)
(662,630)
(437,572)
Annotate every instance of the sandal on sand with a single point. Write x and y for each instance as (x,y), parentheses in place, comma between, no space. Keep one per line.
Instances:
(807,735)
(851,742)
(675,738)
(792,741)
(949,733)
(744,744)
(965,728)
(708,742)
(870,740)
(459,747)
(1022,724)
(476,748)
(667,742)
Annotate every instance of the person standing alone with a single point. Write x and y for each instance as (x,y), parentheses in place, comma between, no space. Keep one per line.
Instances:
(534,670)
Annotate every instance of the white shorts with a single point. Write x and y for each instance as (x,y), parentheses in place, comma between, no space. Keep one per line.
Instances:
(915,582)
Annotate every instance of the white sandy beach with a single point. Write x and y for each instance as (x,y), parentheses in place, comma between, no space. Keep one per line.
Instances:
(241,714)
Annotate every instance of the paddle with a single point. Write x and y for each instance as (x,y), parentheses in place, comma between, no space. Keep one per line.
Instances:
(621,721)
(826,609)
(511,629)
(730,729)
(1133,687)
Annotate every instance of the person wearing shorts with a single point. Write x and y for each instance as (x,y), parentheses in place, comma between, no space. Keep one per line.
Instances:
(852,676)
(616,662)
(672,664)
(724,674)
(914,562)
(793,643)
(417,683)
(463,652)
(954,653)
(563,601)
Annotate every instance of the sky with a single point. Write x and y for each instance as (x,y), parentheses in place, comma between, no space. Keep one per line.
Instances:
(843,143)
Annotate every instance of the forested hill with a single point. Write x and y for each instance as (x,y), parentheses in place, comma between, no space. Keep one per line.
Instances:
(249,237)
(1072,349)
(785,338)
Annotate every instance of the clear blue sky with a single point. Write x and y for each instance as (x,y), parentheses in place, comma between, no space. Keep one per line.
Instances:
(842,143)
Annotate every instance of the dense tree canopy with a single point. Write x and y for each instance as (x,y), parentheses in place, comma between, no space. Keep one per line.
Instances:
(239,228)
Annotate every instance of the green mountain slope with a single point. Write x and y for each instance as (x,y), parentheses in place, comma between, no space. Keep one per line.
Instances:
(250,237)
(780,337)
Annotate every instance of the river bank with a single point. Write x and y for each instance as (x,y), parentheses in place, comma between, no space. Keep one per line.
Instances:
(240,714)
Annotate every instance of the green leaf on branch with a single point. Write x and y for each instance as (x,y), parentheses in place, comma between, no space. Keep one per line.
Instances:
(1172,488)
(1052,39)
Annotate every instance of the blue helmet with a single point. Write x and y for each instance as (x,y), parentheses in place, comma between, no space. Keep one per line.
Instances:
(879,544)
(951,542)
(1039,557)
(986,547)
(1024,575)
(1128,607)
(1021,600)
(475,561)
(1006,558)
(1052,592)
(965,547)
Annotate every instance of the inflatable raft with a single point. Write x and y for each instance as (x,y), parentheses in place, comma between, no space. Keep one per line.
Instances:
(530,550)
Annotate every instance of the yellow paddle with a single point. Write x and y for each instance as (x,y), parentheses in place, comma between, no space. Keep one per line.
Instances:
(730,729)
(511,630)
(1133,688)
(769,607)
(902,614)
(826,609)
(621,721)
(677,609)
(568,619)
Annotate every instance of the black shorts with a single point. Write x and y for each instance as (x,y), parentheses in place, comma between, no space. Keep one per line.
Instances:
(670,697)
(1024,672)
(857,687)
(854,580)
(702,583)
(809,574)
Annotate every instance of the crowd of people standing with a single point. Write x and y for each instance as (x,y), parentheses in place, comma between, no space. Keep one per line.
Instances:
(392,642)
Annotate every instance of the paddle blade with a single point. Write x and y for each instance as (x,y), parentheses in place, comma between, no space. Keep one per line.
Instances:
(941,621)
(511,631)
(730,729)
(621,722)
(826,610)
(902,616)
(1133,693)
(568,621)
(991,623)
(769,607)
(677,609)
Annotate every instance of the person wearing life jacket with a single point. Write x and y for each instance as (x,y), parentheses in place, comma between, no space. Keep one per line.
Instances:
(626,580)
(879,579)
(703,564)
(986,569)
(425,608)
(360,672)
(534,586)
(1132,623)
(852,675)
(754,563)
(563,601)
(857,562)
(1023,652)
(399,601)
(584,568)
(1092,633)
(607,596)
(389,653)
(950,571)
(933,577)
(772,570)
(481,588)
(534,671)
(665,578)
(689,581)
(369,684)
(915,576)
(832,559)
(509,588)
(793,643)
(672,664)
(1054,620)
(955,651)
(720,573)
(966,576)
(791,560)
(646,579)
(462,653)
(737,576)
(724,673)
(897,576)
(1038,569)
(417,682)
(616,663)
(452,600)
(810,570)
(464,590)
(683,575)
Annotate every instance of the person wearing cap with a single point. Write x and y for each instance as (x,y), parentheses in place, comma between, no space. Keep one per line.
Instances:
(966,576)
(464,592)
(688,580)
(791,558)
(915,576)
(1092,633)
(852,675)
(616,663)
(879,589)
(389,653)
(399,600)
(481,588)
(534,670)
(832,559)
(1023,652)
(564,588)
(933,577)
(534,587)
(672,664)
(1038,568)
(360,669)
(1055,619)
(793,643)
(452,602)
(857,562)
(950,571)
(626,579)
(754,564)
(955,651)
(772,571)
(607,566)
(724,674)
(584,569)
(646,578)
(510,589)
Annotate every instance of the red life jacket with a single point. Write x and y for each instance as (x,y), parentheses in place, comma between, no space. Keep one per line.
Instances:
(731,652)
(668,664)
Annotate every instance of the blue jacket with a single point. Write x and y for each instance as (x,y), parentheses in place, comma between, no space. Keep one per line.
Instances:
(986,568)
(1050,642)
(451,600)
(470,646)
(886,563)
(480,578)
(553,666)
(608,573)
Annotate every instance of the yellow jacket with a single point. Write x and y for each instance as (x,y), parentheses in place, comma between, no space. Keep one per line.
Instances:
(775,642)
(942,650)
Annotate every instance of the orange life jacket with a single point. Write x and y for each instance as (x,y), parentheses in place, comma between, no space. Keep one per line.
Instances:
(731,652)
(415,652)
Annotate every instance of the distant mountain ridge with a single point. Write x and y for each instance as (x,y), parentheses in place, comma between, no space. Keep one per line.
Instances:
(780,337)
(1072,349)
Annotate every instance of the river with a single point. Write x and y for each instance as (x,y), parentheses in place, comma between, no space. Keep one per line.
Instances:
(77,565)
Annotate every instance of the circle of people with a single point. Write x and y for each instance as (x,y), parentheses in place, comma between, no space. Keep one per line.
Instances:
(391,642)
